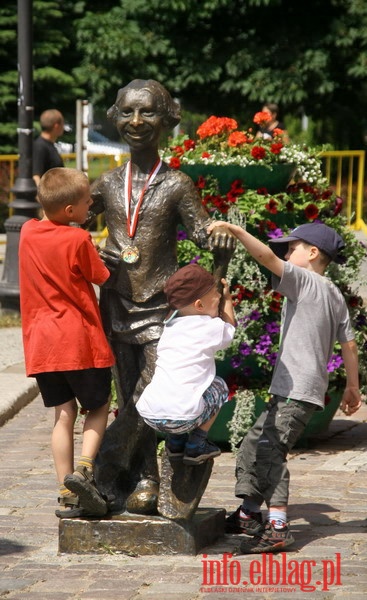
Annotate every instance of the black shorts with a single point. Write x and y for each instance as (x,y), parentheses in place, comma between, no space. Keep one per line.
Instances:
(91,387)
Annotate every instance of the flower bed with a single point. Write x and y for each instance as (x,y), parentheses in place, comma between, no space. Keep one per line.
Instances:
(250,359)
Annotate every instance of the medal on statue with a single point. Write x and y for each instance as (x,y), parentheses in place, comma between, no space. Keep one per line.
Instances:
(131,254)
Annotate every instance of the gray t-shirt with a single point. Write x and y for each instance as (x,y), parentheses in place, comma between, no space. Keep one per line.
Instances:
(314,316)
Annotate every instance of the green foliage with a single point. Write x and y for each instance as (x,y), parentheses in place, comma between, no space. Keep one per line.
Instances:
(253,351)
(243,417)
(189,252)
(217,56)
(54,58)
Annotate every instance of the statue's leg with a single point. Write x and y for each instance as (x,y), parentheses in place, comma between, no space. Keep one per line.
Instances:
(126,466)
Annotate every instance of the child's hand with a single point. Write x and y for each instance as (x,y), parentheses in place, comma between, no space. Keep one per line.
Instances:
(226,294)
(351,401)
(215,224)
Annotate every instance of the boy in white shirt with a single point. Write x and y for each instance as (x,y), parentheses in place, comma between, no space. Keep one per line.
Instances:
(185,396)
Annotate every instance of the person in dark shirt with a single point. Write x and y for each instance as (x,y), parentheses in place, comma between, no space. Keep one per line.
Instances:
(45,154)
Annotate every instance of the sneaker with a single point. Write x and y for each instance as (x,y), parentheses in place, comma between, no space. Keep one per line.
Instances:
(250,524)
(196,455)
(269,540)
(82,483)
(175,447)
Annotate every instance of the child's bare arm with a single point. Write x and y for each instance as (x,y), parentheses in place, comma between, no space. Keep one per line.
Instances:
(351,400)
(259,251)
(227,311)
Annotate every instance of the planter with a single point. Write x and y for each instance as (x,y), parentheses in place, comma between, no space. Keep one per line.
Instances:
(253,176)
(318,424)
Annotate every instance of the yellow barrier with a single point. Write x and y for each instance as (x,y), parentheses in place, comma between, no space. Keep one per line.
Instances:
(344,170)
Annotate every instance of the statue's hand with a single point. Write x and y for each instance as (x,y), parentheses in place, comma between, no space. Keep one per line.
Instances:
(222,244)
(110,258)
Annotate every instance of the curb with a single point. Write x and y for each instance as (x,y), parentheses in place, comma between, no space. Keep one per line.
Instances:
(17,391)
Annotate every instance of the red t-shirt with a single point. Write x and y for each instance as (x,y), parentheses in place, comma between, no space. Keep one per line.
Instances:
(61,322)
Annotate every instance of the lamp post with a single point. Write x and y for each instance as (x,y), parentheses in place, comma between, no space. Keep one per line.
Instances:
(24,205)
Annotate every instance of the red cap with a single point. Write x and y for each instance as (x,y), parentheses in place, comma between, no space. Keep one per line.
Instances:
(187,285)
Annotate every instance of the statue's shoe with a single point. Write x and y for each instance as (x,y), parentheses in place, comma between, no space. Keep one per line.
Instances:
(144,499)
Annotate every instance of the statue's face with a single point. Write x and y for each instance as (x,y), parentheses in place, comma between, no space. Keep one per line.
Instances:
(138,121)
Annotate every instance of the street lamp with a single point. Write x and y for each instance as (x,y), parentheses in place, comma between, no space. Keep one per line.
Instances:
(24,205)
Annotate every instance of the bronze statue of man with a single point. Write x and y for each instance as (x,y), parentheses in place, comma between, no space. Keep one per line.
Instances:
(144,201)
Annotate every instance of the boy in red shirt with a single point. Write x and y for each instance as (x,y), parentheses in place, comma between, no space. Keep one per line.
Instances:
(64,343)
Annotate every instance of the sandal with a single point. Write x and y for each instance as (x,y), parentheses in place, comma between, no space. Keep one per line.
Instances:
(70,502)
(82,483)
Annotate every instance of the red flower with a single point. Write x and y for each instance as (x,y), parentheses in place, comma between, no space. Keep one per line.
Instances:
(237,138)
(262,118)
(231,197)
(232,389)
(311,212)
(205,155)
(270,225)
(276,302)
(201,183)
(354,301)
(189,144)
(289,206)
(178,150)
(237,187)
(276,148)
(271,206)
(175,162)
(216,126)
(338,205)
(258,152)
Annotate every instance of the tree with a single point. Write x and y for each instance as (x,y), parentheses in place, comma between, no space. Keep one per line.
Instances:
(228,57)
(54,53)
(218,56)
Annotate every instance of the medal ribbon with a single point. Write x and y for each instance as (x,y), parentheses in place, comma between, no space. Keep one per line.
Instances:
(132,224)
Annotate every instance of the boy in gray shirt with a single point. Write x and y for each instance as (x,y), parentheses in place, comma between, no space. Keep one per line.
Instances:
(314,316)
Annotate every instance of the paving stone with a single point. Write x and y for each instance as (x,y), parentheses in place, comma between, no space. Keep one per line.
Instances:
(327,512)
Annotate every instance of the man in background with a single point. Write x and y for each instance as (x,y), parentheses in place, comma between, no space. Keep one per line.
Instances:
(45,154)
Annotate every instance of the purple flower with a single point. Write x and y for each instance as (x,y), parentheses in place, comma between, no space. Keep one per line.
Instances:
(195,259)
(255,315)
(360,321)
(263,345)
(245,349)
(272,356)
(247,371)
(235,361)
(272,327)
(334,363)
(276,233)
(181,235)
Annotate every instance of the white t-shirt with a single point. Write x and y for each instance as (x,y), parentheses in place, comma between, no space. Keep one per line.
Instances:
(185,367)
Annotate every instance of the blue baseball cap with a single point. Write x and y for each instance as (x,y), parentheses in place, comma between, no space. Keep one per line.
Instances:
(320,235)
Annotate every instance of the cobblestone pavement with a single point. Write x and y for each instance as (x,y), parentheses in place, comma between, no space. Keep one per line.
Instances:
(328,514)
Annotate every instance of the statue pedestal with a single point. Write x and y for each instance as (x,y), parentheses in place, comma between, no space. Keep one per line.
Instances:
(142,535)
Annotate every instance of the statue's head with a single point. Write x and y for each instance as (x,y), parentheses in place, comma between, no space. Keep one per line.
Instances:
(166,106)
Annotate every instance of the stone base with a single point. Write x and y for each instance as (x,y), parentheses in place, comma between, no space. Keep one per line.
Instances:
(142,535)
